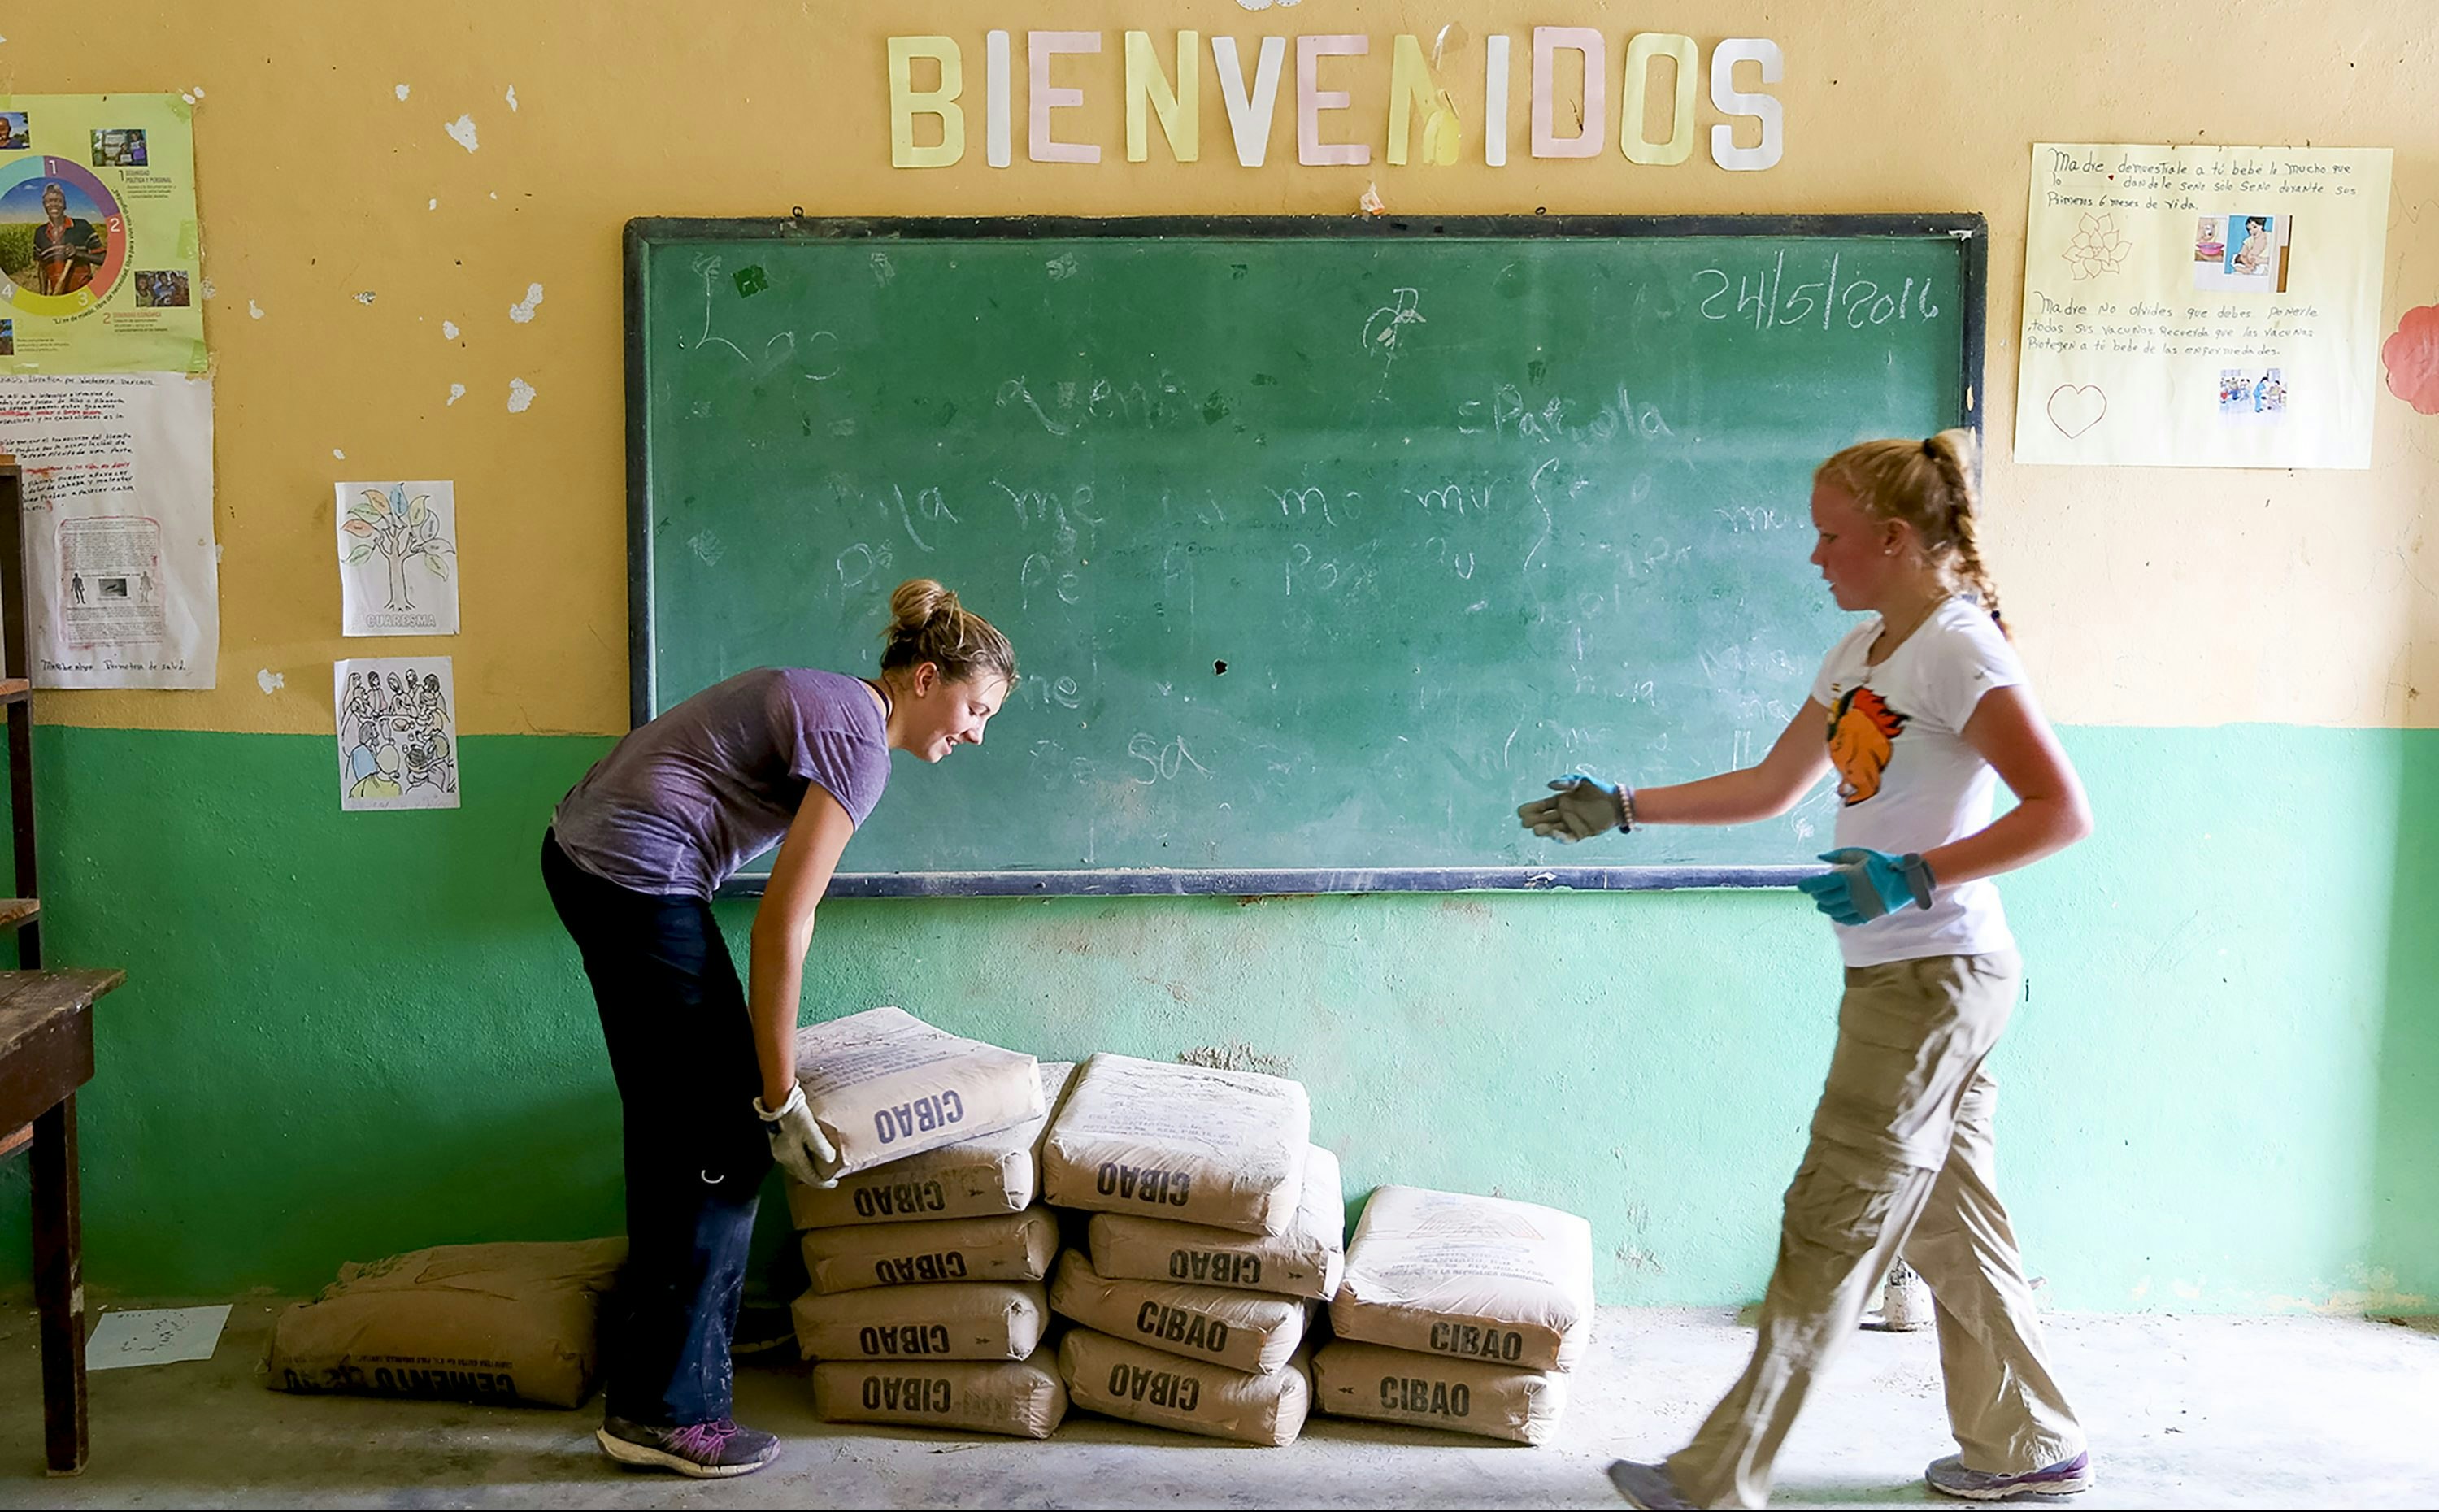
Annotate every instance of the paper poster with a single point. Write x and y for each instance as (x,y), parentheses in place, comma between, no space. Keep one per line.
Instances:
(122,576)
(155,1336)
(100,264)
(398,568)
(2201,306)
(398,732)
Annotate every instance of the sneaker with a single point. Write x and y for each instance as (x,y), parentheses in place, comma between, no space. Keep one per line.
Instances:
(1950,1477)
(705,1450)
(1647,1486)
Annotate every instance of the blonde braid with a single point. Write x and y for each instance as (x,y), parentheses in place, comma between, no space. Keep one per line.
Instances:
(1952,451)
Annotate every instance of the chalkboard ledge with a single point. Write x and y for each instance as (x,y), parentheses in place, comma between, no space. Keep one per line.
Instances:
(1252,883)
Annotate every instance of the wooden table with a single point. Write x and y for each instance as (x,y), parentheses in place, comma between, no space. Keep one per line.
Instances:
(46,1055)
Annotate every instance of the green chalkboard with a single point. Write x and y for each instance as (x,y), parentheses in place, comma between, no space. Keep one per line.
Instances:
(1323,544)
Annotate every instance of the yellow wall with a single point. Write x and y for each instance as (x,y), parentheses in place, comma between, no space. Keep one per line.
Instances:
(2143,596)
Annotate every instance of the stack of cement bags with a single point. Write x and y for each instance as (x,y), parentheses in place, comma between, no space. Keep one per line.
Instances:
(1217,1228)
(1460,1313)
(927,1260)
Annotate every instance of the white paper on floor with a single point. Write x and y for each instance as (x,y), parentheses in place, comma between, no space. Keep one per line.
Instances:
(158,1336)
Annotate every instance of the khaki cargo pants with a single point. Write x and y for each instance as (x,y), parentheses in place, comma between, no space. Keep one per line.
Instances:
(1901,1162)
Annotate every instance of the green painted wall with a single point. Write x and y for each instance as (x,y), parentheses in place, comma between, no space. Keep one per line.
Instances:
(349,1035)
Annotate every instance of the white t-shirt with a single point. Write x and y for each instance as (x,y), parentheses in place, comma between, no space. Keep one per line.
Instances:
(1906,779)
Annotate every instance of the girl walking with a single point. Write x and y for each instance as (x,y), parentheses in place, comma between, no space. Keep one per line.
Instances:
(1921,710)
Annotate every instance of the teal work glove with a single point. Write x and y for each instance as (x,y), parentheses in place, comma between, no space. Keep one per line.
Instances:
(1864,884)
(1581,807)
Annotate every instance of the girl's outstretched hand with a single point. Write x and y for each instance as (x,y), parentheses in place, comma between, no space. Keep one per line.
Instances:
(1580,806)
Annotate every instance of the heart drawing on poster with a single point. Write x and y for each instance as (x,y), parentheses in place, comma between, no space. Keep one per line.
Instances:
(2076,409)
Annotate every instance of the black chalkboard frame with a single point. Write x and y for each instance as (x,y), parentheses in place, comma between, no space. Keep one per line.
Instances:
(1969,230)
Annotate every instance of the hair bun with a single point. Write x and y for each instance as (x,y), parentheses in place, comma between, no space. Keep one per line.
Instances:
(927,624)
(917,602)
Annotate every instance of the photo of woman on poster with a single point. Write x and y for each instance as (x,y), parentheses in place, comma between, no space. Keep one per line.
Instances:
(66,250)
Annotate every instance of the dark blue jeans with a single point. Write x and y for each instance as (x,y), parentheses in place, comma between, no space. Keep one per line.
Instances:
(682,1050)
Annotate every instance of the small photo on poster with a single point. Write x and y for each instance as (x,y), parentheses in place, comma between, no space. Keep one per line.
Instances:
(16,132)
(161,289)
(118,148)
(2243,254)
(8,338)
(398,733)
(52,240)
(2252,396)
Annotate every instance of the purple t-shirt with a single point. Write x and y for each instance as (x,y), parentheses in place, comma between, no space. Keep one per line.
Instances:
(684,801)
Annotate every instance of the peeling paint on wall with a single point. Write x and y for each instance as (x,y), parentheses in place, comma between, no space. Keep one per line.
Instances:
(524,312)
(401,94)
(456,392)
(513,96)
(461,131)
(269,681)
(449,329)
(521,395)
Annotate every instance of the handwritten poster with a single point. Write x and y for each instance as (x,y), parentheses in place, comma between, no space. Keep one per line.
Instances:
(121,573)
(2201,306)
(100,269)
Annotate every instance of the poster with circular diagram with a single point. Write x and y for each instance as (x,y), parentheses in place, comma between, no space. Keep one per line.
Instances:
(98,245)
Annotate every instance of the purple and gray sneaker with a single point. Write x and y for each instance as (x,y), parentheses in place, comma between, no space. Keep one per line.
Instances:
(1950,1477)
(705,1450)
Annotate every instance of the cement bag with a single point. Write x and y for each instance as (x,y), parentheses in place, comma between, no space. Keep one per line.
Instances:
(1220,1148)
(1306,1261)
(1242,1331)
(1477,1277)
(480,1323)
(996,1173)
(966,1320)
(1009,1247)
(1141,1385)
(1019,1396)
(884,1085)
(1460,1396)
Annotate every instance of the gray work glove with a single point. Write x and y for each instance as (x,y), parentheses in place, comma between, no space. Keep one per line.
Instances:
(797,1142)
(1579,808)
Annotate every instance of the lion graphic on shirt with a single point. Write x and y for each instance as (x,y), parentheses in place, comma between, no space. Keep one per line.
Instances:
(1862,735)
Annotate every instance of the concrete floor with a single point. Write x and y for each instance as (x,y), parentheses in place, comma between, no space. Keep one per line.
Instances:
(2288,1411)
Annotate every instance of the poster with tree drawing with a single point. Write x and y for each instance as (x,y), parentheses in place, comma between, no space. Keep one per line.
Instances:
(398,732)
(397,550)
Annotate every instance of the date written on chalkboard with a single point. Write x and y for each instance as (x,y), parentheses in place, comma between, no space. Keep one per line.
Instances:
(1835,292)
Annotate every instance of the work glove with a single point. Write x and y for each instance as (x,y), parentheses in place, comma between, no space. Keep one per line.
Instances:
(797,1142)
(1580,807)
(1864,884)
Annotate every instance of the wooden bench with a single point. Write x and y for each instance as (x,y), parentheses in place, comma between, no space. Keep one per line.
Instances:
(46,1055)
